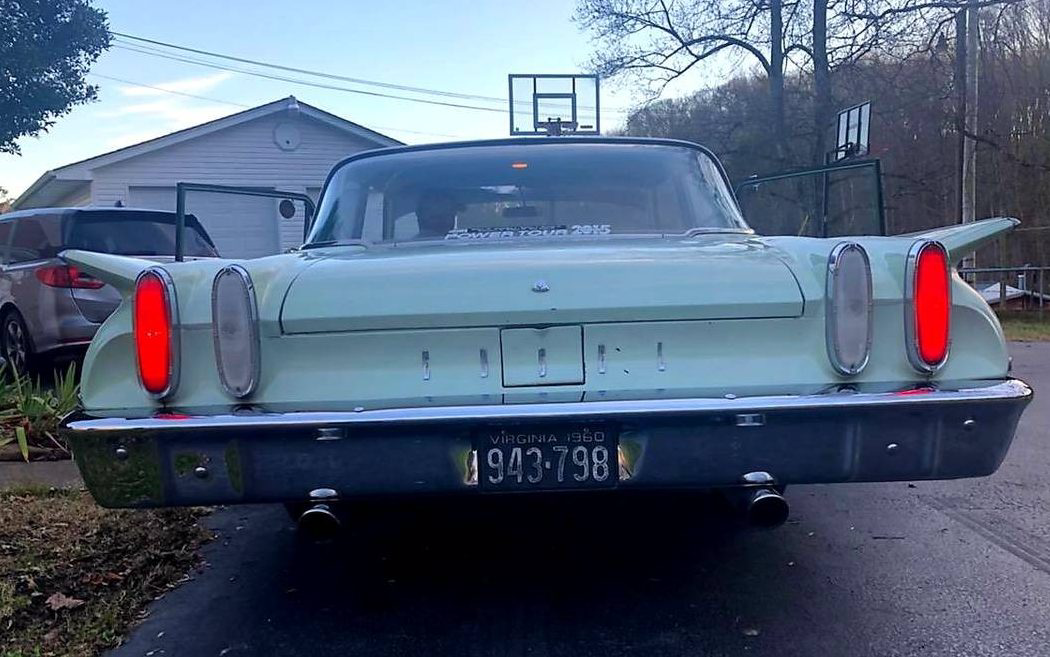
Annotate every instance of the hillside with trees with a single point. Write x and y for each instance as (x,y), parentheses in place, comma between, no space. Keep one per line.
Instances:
(901,56)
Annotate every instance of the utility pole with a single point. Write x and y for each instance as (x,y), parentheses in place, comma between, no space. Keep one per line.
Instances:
(969,143)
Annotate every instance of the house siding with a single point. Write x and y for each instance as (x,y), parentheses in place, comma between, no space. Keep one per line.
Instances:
(244,154)
(78,198)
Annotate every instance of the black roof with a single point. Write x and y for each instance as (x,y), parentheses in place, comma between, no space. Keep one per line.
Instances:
(539,142)
(528,141)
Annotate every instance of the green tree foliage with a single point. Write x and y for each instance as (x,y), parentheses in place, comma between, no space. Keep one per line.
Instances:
(46,49)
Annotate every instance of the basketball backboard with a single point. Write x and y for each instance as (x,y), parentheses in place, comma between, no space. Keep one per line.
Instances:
(852,132)
(553,104)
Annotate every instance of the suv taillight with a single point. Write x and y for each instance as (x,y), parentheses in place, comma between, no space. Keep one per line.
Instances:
(67,276)
(155,330)
(929,306)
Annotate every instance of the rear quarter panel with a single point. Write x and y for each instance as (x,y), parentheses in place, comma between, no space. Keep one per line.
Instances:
(978,347)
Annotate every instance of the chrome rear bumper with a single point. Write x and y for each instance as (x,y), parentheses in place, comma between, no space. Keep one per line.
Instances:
(836,436)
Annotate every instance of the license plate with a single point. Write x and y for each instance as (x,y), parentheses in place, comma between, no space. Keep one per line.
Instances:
(544,457)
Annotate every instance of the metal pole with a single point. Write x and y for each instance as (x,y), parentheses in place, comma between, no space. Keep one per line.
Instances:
(969,196)
(1042,276)
(878,198)
(959,85)
(180,220)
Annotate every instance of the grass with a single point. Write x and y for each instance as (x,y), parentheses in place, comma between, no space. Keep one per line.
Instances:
(74,576)
(1025,327)
(30,411)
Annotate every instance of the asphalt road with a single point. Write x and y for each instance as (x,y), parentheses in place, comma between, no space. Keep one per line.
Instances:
(932,568)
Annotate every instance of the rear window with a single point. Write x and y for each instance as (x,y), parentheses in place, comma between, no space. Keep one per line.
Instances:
(509,192)
(137,234)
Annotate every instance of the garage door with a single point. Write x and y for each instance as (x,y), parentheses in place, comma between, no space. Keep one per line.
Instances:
(240,226)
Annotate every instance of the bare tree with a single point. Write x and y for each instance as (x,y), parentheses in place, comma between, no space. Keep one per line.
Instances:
(659,41)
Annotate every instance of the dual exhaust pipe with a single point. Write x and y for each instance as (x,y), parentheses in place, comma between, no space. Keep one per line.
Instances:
(761,504)
(765,509)
(762,507)
(320,520)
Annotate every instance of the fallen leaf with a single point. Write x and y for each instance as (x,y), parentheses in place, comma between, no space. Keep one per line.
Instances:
(58,601)
(100,579)
(751,631)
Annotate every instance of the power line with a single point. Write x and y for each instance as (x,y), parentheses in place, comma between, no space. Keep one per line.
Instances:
(317,85)
(168,91)
(242,105)
(321,74)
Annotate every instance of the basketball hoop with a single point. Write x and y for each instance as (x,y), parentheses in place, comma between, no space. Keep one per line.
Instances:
(553,104)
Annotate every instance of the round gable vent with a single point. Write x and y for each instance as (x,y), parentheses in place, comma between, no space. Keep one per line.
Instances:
(287,136)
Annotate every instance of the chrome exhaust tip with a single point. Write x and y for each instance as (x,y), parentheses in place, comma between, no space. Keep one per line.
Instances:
(319,521)
(766,509)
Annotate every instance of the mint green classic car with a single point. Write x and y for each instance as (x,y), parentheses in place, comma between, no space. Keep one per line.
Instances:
(542,315)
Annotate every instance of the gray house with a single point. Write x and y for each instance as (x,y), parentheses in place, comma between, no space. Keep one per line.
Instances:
(286,145)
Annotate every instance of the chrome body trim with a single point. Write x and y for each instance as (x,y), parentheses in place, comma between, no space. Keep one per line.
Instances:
(253,311)
(174,341)
(1002,390)
(910,330)
(831,316)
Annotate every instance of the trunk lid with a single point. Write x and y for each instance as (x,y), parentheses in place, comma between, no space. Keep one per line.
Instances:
(445,285)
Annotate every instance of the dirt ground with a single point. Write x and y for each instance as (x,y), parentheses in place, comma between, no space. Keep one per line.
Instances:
(74,576)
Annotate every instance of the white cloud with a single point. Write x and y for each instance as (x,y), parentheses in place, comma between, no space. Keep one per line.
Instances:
(164,112)
(166,118)
(186,85)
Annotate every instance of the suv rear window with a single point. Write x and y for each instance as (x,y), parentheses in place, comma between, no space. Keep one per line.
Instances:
(136,233)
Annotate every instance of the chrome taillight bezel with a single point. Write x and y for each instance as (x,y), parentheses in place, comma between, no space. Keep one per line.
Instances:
(174,343)
(248,289)
(831,316)
(911,337)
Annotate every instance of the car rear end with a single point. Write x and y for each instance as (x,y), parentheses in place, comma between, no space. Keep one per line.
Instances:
(520,358)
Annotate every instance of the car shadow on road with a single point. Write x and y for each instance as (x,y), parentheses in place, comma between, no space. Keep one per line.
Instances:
(515,575)
(510,575)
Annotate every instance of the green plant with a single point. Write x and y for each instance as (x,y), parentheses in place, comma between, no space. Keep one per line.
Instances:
(30,412)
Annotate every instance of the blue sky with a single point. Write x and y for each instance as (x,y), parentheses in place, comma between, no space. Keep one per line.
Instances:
(465,46)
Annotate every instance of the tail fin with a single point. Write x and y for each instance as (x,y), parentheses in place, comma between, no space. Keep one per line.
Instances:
(119,271)
(962,239)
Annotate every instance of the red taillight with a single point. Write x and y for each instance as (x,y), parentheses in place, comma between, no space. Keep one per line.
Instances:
(155,345)
(67,276)
(931,306)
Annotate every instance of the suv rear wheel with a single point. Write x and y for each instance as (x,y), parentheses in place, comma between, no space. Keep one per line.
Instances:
(14,340)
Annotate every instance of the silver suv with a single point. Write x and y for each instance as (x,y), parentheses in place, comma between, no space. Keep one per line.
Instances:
(49,308)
